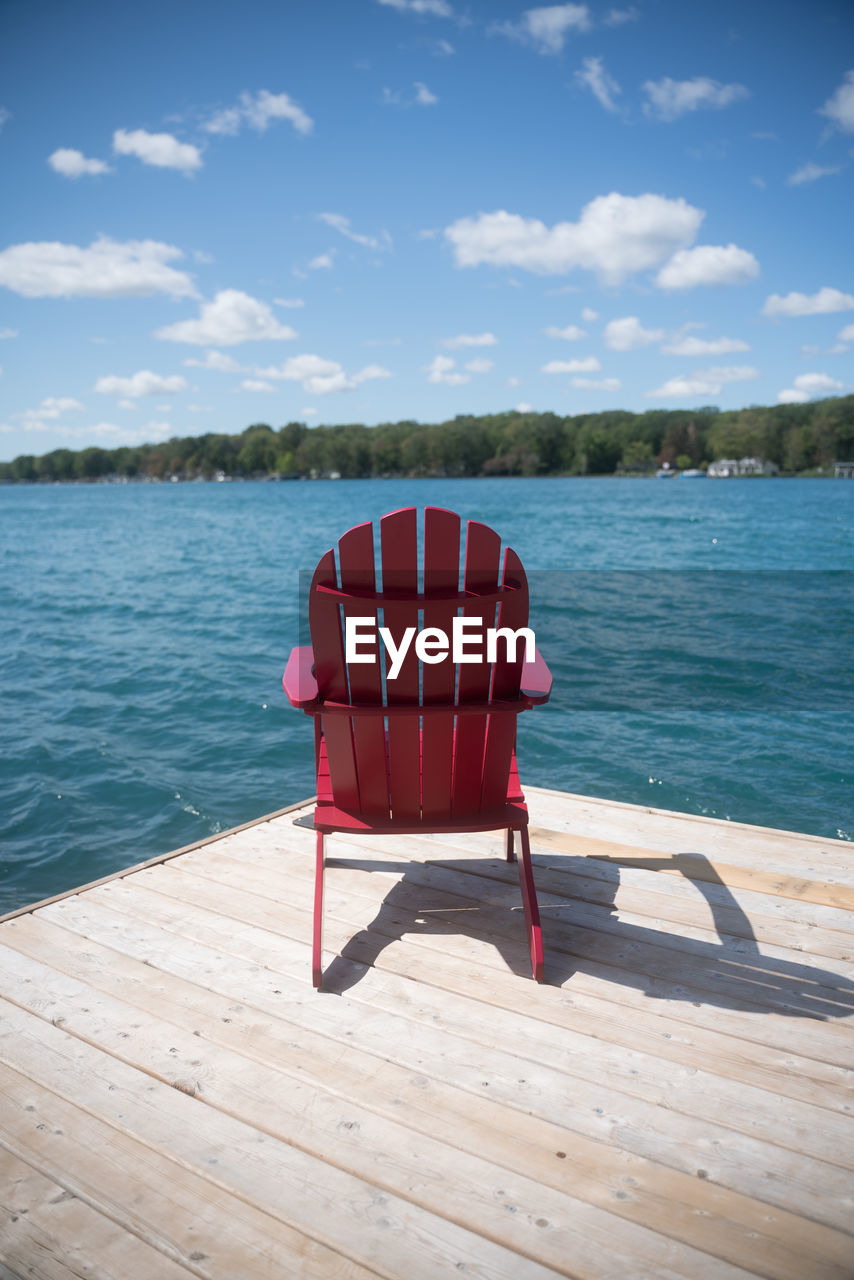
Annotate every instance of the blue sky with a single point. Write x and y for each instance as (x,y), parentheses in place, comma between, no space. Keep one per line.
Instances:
(365,210)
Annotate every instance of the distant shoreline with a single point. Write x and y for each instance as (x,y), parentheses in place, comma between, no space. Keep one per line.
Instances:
(812,438)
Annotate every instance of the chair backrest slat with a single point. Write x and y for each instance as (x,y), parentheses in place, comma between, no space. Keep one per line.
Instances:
(501,731)
(399,545)
(483,547)
(331,675)
(438,680)
(356,567)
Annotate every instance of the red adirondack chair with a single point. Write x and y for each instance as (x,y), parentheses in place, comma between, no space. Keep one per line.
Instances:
(433,749)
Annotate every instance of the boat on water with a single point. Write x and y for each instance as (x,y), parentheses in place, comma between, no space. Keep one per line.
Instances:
(693,473)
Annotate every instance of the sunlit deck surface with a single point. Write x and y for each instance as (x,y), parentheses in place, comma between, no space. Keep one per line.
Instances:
(674,1101)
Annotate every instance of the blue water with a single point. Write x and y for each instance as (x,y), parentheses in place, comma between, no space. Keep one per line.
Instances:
(700,633)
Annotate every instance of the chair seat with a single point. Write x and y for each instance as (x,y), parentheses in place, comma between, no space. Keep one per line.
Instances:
(328,817)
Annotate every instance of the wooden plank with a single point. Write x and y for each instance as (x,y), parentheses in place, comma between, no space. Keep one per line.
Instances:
(623,807)
(635,1102)
(696,866)
(808,926)
(247,1177)
(676,1204)
(819,929)
(605,969)
(811,858)
(172,1208)
(516,1220)
(48,1233)
(458,880)
(628,867)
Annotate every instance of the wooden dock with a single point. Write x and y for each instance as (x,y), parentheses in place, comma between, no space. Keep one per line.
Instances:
(674,1101)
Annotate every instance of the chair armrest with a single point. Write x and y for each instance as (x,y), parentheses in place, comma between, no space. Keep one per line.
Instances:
(536,682)
(298,681)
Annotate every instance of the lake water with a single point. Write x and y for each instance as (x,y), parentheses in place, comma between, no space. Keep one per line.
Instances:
(700,633)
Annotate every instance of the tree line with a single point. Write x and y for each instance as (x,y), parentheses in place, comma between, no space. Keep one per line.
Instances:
(796,437)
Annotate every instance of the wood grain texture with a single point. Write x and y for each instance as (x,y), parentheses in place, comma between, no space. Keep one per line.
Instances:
(674,1101)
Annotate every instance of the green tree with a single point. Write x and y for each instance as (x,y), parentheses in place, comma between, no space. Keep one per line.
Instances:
(638,456)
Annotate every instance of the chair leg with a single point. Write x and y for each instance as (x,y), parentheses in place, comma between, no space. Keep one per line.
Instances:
(316,956)
(511,856)
(531,907)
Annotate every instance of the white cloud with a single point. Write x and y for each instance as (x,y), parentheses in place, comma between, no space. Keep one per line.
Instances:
(321,376)
(615,236)
(127,404)
(513,382)
(433,8)
(470,340)
(444,49)
(627,334)
(588,365)
(199,408)
(107,269)
(323,261)
(342,224)
(618,17)
(480,365)
(808,385)
(48,411)
(801,304)
(523,407)
(4,116)
(598,384)
(441,369)
(571,333)
(258,110)
(151,433)
(789,395)
(8,333)
(809,172)
(846,334)
(589,315)
(669,99)
(289,302)
(603,86)
(143,383)
(423,96)
(713,264)
(547,28)
(231,318)
(840,105)
(685,346)
(703,382)
(159,149)
(256,384)
(73,164)
(216,361)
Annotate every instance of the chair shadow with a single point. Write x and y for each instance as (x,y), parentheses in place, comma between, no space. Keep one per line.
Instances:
(732,973)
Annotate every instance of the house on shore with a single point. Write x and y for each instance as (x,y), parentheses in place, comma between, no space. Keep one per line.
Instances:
(728,467)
